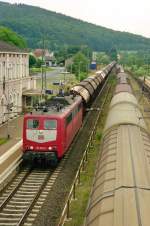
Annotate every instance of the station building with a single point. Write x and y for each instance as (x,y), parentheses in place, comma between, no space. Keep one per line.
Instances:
(14,80)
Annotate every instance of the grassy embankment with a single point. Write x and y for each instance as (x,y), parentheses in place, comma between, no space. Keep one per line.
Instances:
(3,140)
(141,71)
(35,70)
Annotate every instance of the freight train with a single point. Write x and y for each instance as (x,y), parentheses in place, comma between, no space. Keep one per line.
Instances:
(49,131)
(120,195)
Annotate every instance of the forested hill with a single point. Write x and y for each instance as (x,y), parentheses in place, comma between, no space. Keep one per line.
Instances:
(58,30)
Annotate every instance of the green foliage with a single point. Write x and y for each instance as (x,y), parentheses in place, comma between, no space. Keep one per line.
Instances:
(32,61)
(80,66)
(98,136)
(69,51)
(11,37)
(35,70)
(103,58)
(136,61)
(61,31)
(131,58)
(39,63)
(82,76)
(3,140)
(113,54)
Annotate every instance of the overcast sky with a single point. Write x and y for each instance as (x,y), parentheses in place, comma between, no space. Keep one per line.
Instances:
(128,15)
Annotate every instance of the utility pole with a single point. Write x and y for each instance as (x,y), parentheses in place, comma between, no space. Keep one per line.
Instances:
(4,79)
(43,54)
(8,99)
(71,68)
(79,70)
(44,72)
(147,68)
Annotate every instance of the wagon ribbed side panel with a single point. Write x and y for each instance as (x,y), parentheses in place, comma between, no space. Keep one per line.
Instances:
(82,92)
(121,190)
(87,85)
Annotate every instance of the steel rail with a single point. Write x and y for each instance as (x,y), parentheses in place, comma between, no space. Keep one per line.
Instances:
(23,218)
(4,203)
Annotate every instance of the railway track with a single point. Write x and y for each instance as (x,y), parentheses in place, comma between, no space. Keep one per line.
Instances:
(22,199)
(16,206)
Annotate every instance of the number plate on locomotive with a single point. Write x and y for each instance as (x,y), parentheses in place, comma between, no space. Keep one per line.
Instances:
(40,137)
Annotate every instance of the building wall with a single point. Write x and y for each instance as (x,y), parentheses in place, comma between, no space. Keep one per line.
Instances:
(14,79)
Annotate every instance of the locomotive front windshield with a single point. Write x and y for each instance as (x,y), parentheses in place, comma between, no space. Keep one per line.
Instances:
(41,130)
(50,124)
(32,124)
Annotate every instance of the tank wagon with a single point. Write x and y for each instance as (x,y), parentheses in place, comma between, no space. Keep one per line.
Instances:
(122,78)
(88,87)
(122,86)
(49,131)
(121,189)
(119,68)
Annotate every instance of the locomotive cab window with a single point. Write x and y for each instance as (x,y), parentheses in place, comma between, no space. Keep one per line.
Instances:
(69,119)
(79,106)
(50,124)
(32,123)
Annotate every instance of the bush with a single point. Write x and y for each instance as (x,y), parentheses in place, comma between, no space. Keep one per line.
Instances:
(32,61)
(82,76)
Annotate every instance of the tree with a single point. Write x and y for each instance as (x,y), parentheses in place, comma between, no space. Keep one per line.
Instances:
(80,64)
(39,63)
(113,54)
(11,37)
(103,58)
(32,61)
(87,51)
(62,31)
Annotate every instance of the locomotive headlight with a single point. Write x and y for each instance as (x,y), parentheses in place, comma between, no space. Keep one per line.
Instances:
(31,147)
(50,148)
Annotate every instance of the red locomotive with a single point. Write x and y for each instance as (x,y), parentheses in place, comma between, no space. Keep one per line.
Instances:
(48,133)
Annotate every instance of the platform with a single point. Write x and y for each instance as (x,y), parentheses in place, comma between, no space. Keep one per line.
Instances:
(14,129)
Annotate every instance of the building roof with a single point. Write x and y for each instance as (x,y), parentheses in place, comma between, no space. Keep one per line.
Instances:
(50,58)
(6,47)
(45,53)
(39,53)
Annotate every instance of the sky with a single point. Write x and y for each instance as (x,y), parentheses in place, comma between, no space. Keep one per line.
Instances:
(128,15)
